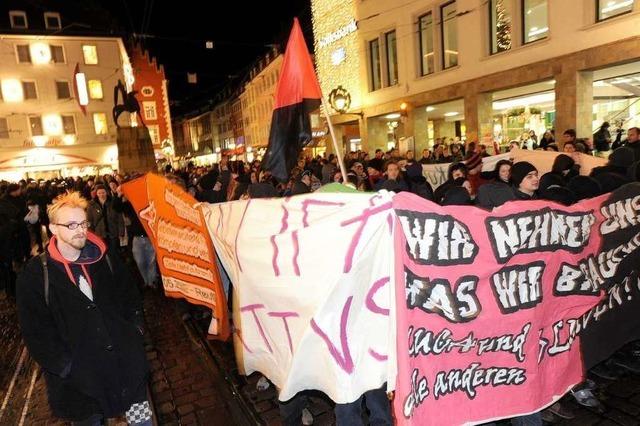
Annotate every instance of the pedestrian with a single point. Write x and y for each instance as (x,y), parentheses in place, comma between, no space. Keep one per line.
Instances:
(104,219)
(81,320)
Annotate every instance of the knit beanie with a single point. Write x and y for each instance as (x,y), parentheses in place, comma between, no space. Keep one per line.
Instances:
(520,170)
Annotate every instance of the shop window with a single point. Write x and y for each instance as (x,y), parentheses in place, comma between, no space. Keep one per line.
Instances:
(29,90)
(18,19)
(68,125)
(449,35)
(392,58)
(62,89)
(52,20)
(57,54)
(90,54)
(425,28)
(4,129)
(609,8)
(24,54)
(374,64)
(35,124)
(100,123)
(500,15)
(95,89)
(535,20)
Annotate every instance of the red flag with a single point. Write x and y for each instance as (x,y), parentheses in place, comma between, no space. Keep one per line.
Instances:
(297,94)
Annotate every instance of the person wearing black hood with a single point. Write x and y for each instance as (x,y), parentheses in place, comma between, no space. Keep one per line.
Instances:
(498,192)
(456,170)
(565,167)
(210,189)
(302,184)
(81,319)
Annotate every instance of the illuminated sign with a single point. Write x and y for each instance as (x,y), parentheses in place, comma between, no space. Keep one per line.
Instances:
(81,87)
(342,32)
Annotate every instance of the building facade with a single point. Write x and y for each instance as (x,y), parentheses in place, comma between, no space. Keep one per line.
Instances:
(474,70)
(257,102)
(55,104)
(153,96)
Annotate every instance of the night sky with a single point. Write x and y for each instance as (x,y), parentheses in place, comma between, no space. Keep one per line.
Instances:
(178,31)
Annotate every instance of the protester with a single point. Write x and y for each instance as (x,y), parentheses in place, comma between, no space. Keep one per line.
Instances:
(81,319)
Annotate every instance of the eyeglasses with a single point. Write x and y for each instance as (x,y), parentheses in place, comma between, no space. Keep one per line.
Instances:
(74,225)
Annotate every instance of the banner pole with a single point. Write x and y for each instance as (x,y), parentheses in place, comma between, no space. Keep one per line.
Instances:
(343,169)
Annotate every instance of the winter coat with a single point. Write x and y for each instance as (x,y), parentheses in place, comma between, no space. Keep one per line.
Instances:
(100,217)
(91,352)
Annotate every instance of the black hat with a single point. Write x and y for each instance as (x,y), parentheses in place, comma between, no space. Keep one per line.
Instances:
(520,170)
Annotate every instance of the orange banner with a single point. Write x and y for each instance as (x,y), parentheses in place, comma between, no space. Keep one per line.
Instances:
(185,254)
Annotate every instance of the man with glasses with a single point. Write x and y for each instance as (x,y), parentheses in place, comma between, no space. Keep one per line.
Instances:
(81,319)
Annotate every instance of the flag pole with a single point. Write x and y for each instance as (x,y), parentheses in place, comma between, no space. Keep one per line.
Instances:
(343,169)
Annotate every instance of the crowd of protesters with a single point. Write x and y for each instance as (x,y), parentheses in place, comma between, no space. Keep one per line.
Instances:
(24,222)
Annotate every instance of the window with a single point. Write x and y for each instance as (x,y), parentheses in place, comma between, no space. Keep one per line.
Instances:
(392,58)
(52,20)
(4,129)
(18,19)
(57,54)
(609,8)
(149,110)
(90,54)
(62,89)
(425,26)
(95,89)
(449,35)
(100,123)
(154,134)
(500,13)
(374,64)
(35,123)
(29,90)
(24,54)
(68,125)
(536,24)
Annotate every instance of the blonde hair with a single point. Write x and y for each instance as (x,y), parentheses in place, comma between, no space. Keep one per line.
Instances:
(69,199)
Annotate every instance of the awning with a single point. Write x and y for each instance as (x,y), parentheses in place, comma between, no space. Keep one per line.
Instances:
(37,159)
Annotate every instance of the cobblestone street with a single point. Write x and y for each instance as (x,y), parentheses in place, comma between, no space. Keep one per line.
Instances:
(195,381)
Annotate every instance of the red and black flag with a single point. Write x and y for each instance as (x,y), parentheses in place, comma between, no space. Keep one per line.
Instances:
(298,94)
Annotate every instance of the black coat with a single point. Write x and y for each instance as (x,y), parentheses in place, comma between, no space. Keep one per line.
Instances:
(92,353)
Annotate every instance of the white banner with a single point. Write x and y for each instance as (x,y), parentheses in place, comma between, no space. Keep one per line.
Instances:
(436,174)
(312,276)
